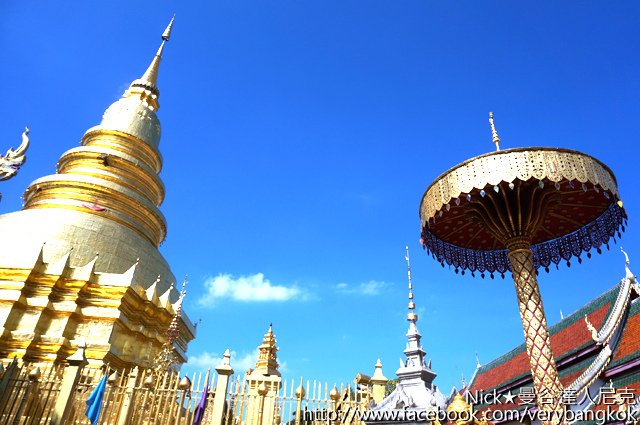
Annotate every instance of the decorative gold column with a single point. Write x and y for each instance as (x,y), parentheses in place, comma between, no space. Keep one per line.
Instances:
(379,383)
(541,360)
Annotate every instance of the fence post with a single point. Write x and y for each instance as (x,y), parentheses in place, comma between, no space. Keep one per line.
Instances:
(220,395)
(127,399)
(70,380)
(8,374)
(262,392)
(184,385)
(379,383)
(334,394)
(300,393)
(34,392)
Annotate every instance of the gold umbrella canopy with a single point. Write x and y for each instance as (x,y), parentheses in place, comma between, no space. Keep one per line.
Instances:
(561,202)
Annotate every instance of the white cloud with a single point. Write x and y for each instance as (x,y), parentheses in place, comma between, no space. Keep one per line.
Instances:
(250,288)
(372,287)
(239,362)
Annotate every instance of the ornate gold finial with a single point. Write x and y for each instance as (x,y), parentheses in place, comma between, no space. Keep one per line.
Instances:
(494,132)
(145,87)
(411,315)
(167,32)
(334,394)
(300,391)
(267,363)
(151,74)
(167,358)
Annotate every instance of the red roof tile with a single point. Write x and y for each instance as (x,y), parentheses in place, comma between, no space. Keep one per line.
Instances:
(563,341)
(630,342)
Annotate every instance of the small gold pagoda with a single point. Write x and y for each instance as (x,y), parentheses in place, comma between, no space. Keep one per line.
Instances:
(264,382)
(80,262)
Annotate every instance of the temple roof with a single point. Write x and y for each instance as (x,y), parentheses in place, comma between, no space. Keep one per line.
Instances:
(567,336)
(583,363)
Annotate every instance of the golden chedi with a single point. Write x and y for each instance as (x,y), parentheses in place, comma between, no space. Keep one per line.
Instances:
(263,382)
(83,264)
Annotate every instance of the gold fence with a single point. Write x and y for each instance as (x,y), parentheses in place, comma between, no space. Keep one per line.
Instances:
(57,395)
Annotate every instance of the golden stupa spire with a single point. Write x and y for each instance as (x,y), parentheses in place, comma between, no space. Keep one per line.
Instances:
(494,132)
(123,185)
(411,315)
(146,86)
(267,358)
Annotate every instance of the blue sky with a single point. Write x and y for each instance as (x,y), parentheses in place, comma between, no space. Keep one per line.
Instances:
(299,137)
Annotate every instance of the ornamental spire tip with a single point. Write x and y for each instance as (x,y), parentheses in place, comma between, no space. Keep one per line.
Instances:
(145,87)
(167,32)
(494,132)
(411,315)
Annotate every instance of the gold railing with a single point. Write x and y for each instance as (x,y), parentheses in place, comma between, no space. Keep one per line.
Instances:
(315,403)
(28,394)
(57,395)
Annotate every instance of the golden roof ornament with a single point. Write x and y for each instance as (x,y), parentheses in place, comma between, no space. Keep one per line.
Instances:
(167,358)
(460,411)
(592,329)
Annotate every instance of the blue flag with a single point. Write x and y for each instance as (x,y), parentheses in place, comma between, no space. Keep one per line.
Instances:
(94,402)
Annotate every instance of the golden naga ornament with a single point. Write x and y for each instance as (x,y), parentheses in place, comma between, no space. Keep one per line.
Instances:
(13,159)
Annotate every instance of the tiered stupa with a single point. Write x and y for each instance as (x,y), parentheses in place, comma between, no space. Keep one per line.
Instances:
(263,382)
(80,262)
(415,389)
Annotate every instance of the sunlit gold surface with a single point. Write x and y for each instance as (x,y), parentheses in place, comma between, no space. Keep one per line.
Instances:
(49,307)
(459,412)
(82,235)
(511,164)
(267,363)
(80,262)
(263,382)
(113,175)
